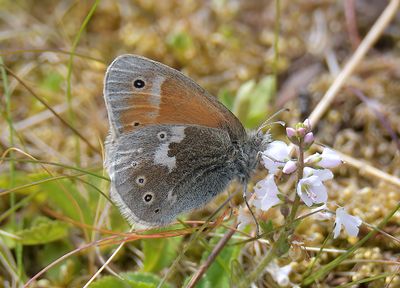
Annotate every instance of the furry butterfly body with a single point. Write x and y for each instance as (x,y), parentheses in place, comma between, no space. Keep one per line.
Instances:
(172,147)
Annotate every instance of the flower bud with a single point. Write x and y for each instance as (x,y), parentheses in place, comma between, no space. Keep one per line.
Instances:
(301,131)
(290,132)
(307,125)
(309,138)
(289,167)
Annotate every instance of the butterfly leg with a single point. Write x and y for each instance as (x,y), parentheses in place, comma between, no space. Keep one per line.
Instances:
(251,211)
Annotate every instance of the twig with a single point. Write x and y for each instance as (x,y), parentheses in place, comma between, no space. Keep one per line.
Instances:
(217,249)
(366,44)
(51,109)
(384,121)
(351,23)
(367,169)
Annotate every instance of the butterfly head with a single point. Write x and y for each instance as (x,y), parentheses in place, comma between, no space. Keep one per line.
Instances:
(255,142)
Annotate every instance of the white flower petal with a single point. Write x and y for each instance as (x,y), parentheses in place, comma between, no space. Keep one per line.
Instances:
(280,274)
(277,150)
(350,222)
(269,164)
(338,227)
(320,192)
(243,218)
(322,174)
(329,159)
(289,167)
(266,193)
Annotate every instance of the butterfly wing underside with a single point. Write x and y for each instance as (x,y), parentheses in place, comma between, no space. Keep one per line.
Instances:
(170,144)
(160,171)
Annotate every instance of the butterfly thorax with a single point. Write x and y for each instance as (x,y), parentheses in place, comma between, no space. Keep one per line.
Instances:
(247,153)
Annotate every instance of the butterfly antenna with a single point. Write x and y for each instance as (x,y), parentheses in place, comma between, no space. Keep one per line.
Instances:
(251,211)
(267,122)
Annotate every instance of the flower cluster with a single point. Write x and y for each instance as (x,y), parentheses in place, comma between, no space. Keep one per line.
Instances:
(312,172)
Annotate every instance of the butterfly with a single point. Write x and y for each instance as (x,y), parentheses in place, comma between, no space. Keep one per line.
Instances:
(172,147)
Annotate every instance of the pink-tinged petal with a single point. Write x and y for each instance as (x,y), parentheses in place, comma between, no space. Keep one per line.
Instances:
(289,167)
(301,131)
(329,159)
(309,138)
(290,132)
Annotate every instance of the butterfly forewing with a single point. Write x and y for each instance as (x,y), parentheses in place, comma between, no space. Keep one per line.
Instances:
(141,92)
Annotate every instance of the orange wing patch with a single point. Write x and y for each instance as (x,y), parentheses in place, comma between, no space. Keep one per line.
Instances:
(167,97)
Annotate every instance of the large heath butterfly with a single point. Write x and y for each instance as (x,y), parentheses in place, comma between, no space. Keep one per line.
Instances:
(172,146)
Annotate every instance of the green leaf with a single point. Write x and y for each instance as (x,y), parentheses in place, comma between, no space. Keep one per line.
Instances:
(142,279)
(242,100)
(112,282)
(159,253)
(43,230)
(252,99)
(226,98)
(52,81)
(267,227)
(260,98)
(180,41)
(219,273)
(63,194)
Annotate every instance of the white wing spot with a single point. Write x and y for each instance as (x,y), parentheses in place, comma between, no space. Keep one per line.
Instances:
(171,197)
(161,155)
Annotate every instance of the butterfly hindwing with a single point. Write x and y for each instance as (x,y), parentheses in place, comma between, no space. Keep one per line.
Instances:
(160,171)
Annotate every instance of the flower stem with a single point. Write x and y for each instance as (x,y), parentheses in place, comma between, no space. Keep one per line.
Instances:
(300,169)
(281,246)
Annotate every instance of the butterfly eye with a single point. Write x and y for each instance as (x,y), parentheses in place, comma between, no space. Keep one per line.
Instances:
(138,83)
(148,197)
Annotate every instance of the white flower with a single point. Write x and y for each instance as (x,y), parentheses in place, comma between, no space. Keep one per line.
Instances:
(280,274)
(328,159)
(275,156)
(322,213)
(311,189)
(266,193)
(243,218)
(350,223)
(289,167)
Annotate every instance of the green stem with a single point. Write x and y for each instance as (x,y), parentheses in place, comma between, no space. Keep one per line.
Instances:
(69,76)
